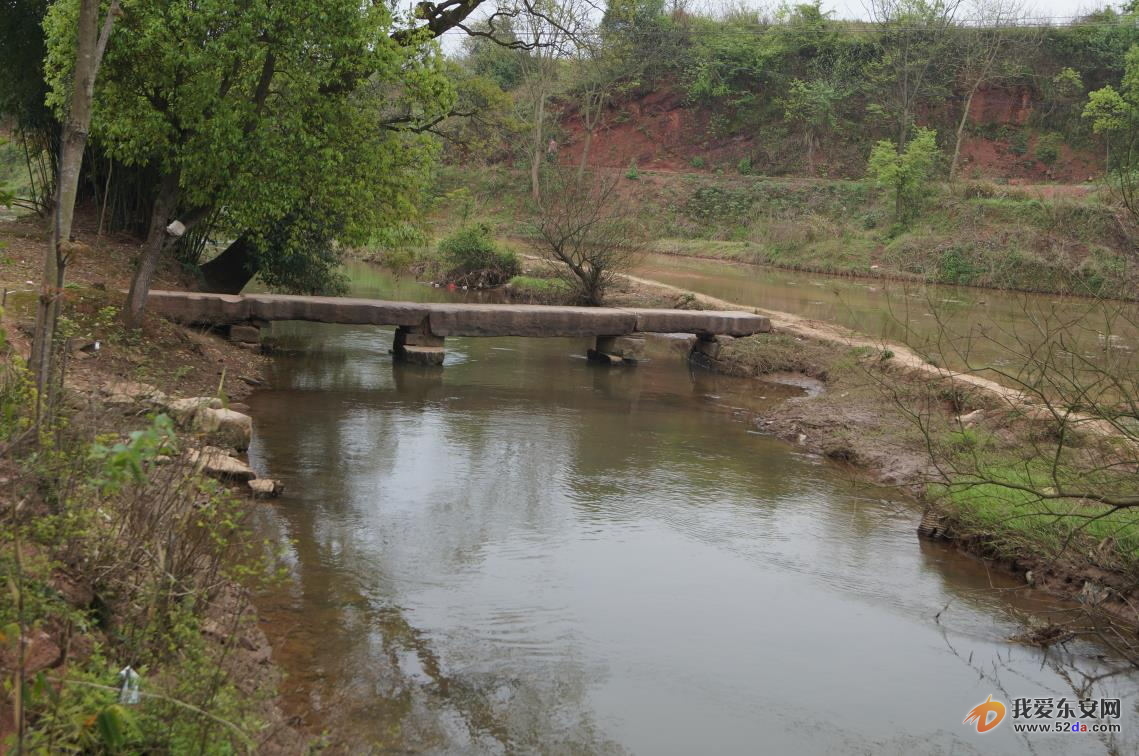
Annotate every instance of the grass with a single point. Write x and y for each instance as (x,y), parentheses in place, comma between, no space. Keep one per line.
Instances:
(539,290)
(541,285)
(1022,520)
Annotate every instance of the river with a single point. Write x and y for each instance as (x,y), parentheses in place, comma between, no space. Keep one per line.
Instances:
(527,553)
(956,326)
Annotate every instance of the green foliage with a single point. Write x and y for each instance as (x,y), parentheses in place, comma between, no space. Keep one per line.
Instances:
(493,61)
(125,461)
(811,104)
(1000,500)
(297,137)
(540,290)
(956,267)
(1114,113)
(744,166)
(152,544)
(713,202)
(632,174)
(906,175)
(1048,148)
(967,439)
(1018,142)
(471,253)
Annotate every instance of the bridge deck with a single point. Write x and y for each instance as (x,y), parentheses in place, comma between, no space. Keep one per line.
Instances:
(451,319)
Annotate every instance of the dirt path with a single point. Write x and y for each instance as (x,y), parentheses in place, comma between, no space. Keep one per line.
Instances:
(904,357)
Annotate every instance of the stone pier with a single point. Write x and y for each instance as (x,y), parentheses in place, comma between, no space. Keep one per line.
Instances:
(615,350)
(418,346)
(711,344)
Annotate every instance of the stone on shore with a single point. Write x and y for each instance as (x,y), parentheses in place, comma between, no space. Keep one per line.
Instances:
(266,488)
(184,410)
(127,392)
(232,428)
(217,463)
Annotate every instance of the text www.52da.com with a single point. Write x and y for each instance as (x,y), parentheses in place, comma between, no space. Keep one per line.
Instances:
(1065,727)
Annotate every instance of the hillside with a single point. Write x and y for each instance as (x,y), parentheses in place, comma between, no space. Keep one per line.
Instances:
(664,131)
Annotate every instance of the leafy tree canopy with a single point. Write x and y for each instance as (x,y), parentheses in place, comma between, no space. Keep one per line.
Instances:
(269,114)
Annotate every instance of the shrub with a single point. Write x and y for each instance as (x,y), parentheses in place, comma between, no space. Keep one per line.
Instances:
(471,257)
(980,190)
(633,174)
(744,166)
(1018,143)
(955,266)
(1048,148)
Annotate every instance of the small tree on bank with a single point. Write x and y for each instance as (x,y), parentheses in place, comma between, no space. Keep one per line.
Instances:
(1114,114)
(905,173)
(586,232)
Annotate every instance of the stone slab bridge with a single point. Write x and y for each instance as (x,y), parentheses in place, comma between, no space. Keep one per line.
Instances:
(422,327)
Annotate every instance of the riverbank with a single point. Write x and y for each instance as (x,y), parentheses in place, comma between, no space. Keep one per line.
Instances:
(125,526)
(893,417)
(975,233)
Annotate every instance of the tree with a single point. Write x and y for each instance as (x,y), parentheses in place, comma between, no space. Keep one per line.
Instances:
(91,37)
(586,232)
(912,39)
(991,50)
(486,126)
(905,173)
(1114,114)
(267,115)
(495,56)
(549,33)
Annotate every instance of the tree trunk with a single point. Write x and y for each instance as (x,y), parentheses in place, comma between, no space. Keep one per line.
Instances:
(156,241)
(229,272)
(961,131)
(584,162)
(90,45)
(538,147)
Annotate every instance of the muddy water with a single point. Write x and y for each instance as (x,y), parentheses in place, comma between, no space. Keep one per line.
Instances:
(955,325)
(526,553)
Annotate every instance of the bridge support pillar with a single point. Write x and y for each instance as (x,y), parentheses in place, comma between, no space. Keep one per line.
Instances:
(710,345)
(418,346)
(615,350)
